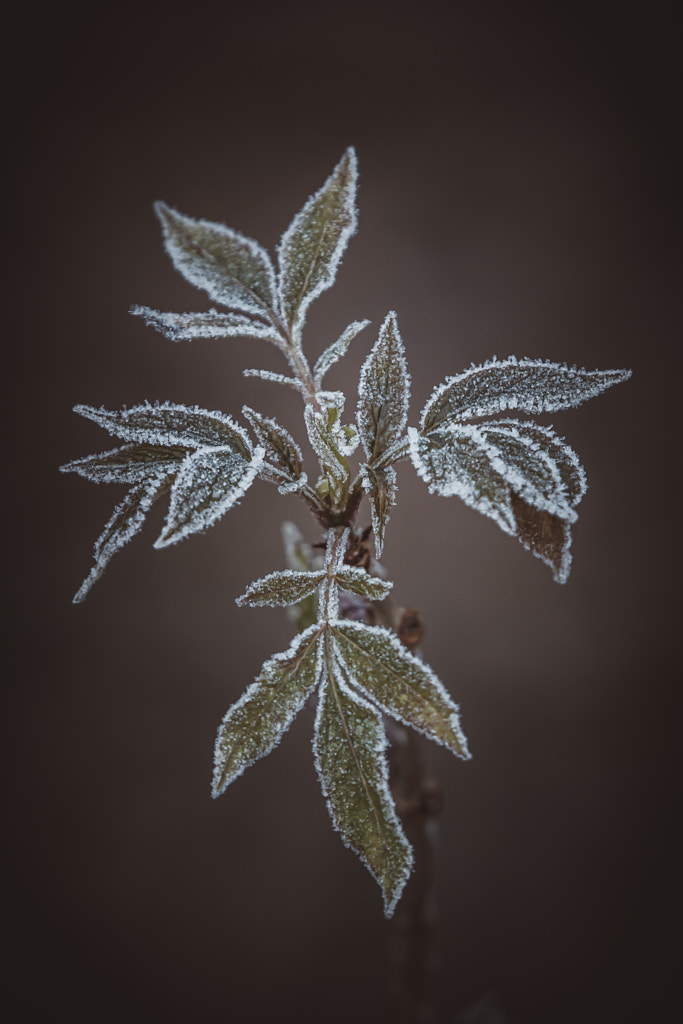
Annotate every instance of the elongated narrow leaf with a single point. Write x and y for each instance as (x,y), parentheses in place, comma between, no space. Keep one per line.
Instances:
(334,352)
(383,393)
(130,464)
(274,378)
(186,326)
(349,748)
(378,664)
(166,423)
(232,269)
(259,719)
(282,452)
(530,385)
(125,522)
(281,588)
(380,487)
(312,246)
(359,581)
(331,440)
(210,482)
(460,460)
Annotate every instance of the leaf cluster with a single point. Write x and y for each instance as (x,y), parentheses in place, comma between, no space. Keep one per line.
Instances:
(517,472)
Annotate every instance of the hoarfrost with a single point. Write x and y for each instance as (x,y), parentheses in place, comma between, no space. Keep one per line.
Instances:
(334,352)
(281,588)
(129,464)
(380,667)
(383,393)
(210,482)
(166,423)
(255,724)
(125,522)
(281,449)
(530,385)
(312,246)
(232,269)
(532,503)
(349,747)
(186,326)
(274,378)
(359,581)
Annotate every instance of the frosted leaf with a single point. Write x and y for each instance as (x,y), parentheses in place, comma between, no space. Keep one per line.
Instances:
(380,487)
(259,719)
(210,482)
(130,464)
(312,246)
(349,747)
(281,588)
(383,393)
(186,326)
(552,469)
(359,581)
(166,423)
(124,523)
(282,451)
(547,536)
(378,664)
(331,440)
(535,506)
(334,352)
(530,385)
(231,268)
(273,378)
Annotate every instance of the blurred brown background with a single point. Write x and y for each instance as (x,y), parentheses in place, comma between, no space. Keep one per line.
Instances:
(520,181)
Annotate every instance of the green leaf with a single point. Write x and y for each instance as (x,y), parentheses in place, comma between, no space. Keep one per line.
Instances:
(281,588)
(210,482)
(359,581)
(383,393)
(232,269)
(186,326)
(530,385)
(166,423)
(334,352)
(378,664)
(349,747)
(331,440)
(380,487)
(281,448)
(312,246)
(125,522)
(259,719)
(130,464)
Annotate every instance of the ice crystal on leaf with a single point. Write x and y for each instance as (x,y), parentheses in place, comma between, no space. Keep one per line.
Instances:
(233,270)
(257,722)
(383,399)
(350,755)
(518,473)
(186,326)
(312,246)
(530,385)
(334,352)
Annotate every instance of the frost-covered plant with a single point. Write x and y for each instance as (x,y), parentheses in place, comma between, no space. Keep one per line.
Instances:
(519,473)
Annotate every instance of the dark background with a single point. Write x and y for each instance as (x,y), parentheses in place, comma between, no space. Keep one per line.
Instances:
(520,181)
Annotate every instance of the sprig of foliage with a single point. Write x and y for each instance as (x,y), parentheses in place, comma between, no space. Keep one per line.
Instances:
(519,473)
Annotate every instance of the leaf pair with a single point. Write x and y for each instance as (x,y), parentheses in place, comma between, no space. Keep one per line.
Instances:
(359,672)
(520,474)
(237,272)
(204,458)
